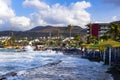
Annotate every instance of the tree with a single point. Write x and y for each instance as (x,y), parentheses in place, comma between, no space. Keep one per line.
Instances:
(70,27)
(105,37)
(92,39)
(77,38)
(114,31)
(58,33)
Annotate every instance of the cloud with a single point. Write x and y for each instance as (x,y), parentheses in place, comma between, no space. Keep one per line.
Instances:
(6,13)
(56,14)
(36,3)
(22,23)
(111,19)
(115,18)
(5,10)
(8,18)
(114,2)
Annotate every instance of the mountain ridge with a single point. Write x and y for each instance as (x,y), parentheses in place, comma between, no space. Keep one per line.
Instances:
(43,31)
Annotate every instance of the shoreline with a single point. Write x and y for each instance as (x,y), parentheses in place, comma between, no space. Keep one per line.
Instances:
(72,53)
(56,65)
(115,73)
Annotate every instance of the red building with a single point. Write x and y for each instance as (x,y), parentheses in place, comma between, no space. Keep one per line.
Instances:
(97,29)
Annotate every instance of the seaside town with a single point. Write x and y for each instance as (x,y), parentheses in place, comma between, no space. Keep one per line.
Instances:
(73,51)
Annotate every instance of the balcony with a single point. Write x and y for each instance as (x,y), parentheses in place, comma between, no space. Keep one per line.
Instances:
(104,28)
(102,31)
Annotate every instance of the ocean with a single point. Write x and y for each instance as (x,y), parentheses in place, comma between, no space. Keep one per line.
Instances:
(69,68)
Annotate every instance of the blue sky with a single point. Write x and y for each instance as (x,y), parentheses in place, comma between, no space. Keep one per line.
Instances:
(100,10)
(26,14)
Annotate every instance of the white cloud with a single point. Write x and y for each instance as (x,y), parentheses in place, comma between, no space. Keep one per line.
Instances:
(22,23)
(8,18)
(36,3)
(5,10)
(111,19)
(58,14)
(36,19)
(114,18)
(101,21)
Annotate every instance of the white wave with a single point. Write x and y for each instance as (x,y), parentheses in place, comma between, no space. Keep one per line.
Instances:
(70,68)
(14,61)
(11,60)
(28,48)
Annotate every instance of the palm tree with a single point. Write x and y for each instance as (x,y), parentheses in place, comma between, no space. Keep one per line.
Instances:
(105,36)
(77,38)
(115,30)
(92,39)
(58,33)
(58,42)
(70,27)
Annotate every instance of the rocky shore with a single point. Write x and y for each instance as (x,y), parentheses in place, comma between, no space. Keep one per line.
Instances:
(67,68)
(115,73)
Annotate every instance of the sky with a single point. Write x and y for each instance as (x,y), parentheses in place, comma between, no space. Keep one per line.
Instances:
(21,15)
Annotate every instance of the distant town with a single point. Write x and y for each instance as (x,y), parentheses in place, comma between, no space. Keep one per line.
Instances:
(72,36)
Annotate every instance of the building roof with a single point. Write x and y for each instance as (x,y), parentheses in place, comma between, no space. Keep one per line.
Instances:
(98,24)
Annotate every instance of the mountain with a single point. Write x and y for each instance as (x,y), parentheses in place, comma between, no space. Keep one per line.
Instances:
(44,31)
(39,28)
(116,22)
(53,29)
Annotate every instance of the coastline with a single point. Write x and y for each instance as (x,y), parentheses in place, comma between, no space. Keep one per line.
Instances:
(62,69)
(115,73)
